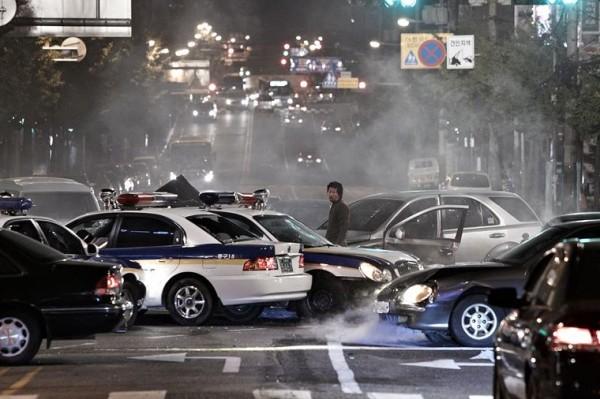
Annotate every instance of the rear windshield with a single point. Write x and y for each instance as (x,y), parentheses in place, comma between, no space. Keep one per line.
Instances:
(516,207)
(222,228)
(470,180)
(26,248)
(62,206)
(369,214)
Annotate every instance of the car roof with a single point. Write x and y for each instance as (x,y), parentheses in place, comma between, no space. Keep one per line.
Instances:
(573,217)
(42,183)
(248,211)
(7,218)
(408,195)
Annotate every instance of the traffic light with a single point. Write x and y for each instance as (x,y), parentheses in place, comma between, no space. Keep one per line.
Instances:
(401,3)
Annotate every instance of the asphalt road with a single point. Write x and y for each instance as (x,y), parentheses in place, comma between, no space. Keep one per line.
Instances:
(350,356)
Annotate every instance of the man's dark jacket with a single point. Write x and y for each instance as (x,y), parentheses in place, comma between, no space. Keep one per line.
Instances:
(337,225)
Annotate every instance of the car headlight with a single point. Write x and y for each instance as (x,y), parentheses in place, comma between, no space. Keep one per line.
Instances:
(318,160)
(415,294)
(195,112)
(228,102)
(374,273)
(300,159)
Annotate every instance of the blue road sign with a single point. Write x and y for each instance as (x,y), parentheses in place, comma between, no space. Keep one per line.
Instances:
(432,53)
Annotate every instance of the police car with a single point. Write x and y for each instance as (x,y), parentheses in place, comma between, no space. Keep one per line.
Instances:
(341,275)
(13,216)
(195,260)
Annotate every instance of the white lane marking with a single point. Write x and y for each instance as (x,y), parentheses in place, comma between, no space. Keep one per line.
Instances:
(248,147)
(344,373)
(72,346)
(246,329)
(448,364)
(280,394)
(138,395)
(486,354)
(232,363)
(21,382)
(291,348)
(481,397)
(166,336)
(382,395)
(18,396)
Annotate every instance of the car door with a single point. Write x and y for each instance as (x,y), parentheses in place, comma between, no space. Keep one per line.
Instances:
(482,230)
(421,234)
(60,238)
(152,241)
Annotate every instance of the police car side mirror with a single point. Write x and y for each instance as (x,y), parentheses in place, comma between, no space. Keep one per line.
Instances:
(91,250)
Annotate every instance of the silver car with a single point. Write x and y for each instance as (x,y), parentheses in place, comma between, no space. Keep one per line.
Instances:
(416,221)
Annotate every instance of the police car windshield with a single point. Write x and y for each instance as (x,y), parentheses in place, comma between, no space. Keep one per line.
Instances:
(287,229)
(222,228)
(61,206)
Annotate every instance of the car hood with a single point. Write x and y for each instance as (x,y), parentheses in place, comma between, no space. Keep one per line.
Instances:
(353,257)
(390,256)
(281,248)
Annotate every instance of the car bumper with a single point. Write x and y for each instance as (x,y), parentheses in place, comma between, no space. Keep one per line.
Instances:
(434,316)
(82,321)
(257,288)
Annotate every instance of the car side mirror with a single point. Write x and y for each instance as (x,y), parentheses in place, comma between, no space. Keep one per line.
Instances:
(85,236)
(91,250)
(505,298)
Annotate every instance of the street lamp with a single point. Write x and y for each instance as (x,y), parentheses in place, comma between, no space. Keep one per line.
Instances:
(191,44)
(182,52)
(403,22)
(164,51)
(374,44)
(151,43)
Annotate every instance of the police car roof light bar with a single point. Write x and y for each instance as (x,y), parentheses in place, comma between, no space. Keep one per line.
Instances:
(141,200)
(14,205)
(256,200)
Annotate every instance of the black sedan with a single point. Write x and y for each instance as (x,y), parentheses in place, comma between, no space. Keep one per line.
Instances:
(45,294)
(451,302)
(550,346)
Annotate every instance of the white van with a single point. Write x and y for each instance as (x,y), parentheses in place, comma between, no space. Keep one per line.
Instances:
(423,173)
(54,197)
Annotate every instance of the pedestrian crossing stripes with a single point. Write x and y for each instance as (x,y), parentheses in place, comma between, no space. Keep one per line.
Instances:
(260,394)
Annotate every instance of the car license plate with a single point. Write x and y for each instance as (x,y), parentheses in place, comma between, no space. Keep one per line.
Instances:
(381,307)
(285,264)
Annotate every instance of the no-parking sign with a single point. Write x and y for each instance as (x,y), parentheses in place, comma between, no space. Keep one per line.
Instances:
(423,50)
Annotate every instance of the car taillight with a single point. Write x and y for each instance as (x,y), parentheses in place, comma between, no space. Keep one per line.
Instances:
(301,262)
(268,263)
(110,284)
(570,338)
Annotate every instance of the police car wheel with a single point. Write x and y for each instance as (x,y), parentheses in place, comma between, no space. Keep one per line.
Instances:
(327,296)
(129,293)
(242,313)
(190,302)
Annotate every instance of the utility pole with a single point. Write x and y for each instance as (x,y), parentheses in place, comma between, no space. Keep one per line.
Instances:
(493,159)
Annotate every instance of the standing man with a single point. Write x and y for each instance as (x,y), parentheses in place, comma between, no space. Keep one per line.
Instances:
(339,214)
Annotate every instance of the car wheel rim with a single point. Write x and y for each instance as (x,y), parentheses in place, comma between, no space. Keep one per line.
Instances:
(479,321)
(14,336)
(189,302)
(322,300)
(130,305)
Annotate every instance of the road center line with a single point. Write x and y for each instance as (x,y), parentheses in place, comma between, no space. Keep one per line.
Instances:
(344,373)
(166,336)
(386,395)
(72,346)
(138,395)
(21,382)
(280,394)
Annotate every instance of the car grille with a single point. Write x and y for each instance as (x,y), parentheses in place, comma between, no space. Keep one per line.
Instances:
(404,267)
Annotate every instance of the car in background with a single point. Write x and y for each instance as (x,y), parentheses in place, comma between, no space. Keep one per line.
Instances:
(194,261)
(342,276)
(549,345)
(233,99)
(333,126)
(493,218)
(468,181)
(191,156)
(310,157)
(452,302)
(264,102)
(47,295)
(204,110)
(423,173)
(57,198)
(294,119)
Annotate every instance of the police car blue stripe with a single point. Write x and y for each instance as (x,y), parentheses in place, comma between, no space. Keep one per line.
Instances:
(354,261)
(207,251)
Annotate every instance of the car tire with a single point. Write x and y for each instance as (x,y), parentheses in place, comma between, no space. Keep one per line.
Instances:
(27,329)
(440,338)
(190,302)
(327,296)
(474,322)
(130,294)
(242,314)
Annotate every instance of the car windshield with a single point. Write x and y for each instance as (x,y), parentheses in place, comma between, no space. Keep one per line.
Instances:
(61,206)
(287,229)
(537,244)
(470,180)
(369,214)
(222,228)
(27,248)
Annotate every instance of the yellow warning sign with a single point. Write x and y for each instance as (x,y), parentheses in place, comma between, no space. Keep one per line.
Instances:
(423,50)
(347,83)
